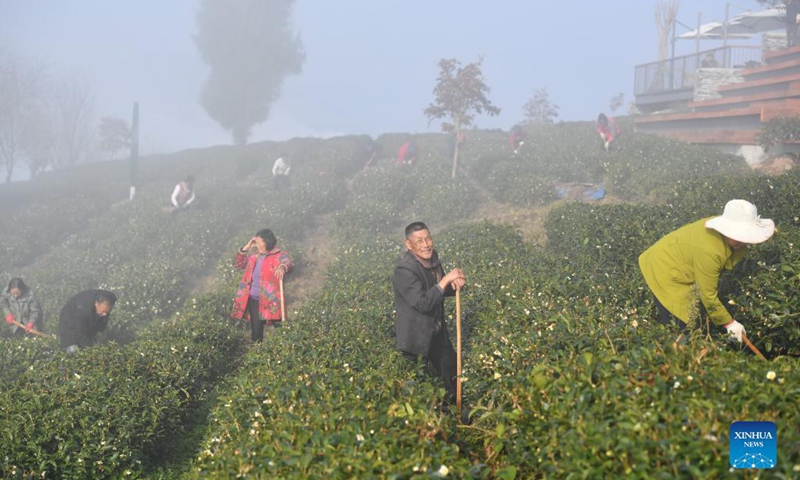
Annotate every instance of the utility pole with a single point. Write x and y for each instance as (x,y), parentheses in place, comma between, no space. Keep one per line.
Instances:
(725,25)
(134,147)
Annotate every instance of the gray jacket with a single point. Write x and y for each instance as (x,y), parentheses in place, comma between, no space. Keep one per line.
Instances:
(419,304)
(24,309)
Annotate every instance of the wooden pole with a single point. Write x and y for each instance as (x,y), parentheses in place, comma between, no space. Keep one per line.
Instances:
(33,331)
(752,347)
(283,313)
(458,352)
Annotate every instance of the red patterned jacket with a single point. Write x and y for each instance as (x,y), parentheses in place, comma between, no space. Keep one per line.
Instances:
(269,304)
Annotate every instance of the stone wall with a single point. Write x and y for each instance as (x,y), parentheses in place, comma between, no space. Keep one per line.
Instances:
(773,41)
(708,79)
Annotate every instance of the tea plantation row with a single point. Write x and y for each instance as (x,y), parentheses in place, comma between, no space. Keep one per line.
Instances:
(566,372)
(556,341)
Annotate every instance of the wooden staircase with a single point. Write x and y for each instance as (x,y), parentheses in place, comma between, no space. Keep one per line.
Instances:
(768,91)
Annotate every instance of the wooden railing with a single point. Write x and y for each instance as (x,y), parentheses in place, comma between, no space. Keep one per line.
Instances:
(678,73)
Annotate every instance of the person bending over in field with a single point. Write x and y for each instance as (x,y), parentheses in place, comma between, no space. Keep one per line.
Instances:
(83,316)
(687,263)
(280,173)
(183,194)
(420,286)
(407,154)
(516,138)
(258,297)
(608,130)
(20,305)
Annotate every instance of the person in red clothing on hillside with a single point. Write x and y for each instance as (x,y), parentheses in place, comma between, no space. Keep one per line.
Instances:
(258,297)
(516,138)
(608,130)
(407,154)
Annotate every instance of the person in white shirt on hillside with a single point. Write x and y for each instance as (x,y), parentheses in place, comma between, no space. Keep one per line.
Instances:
(280,173)
(183,195)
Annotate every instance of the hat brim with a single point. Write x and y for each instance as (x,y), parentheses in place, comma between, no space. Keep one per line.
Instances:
(757,232)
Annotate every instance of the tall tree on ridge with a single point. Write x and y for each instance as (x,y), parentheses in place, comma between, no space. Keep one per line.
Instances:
(250,47)
(460,94)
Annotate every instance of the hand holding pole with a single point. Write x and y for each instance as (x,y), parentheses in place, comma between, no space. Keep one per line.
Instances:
(33,331)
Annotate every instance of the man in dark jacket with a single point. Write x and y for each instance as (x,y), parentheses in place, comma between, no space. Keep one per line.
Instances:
(83,316)
(420,286)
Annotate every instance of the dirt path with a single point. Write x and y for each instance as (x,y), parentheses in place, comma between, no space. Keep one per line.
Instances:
(309,275)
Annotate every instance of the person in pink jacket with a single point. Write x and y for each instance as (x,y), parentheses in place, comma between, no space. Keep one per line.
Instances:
(608,130)
(258,296)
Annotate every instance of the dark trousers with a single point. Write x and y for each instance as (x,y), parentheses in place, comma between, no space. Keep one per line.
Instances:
(256,324)
(443,358)
(668,319)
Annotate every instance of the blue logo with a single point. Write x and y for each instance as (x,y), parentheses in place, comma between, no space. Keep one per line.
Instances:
(753,445)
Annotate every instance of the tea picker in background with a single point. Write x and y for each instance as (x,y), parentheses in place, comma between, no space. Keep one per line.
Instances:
(407,154)
(83,317)
(21,307)
(420,286)
(371,151)
(608,130)
(516,138)
(280,173)
(687,263)
(259,295)
(183,194)
(709,61)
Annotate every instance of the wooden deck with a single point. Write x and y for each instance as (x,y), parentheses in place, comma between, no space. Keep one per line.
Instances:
(767,92)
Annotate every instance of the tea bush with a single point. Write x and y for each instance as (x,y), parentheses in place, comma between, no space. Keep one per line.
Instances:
(562,375)
(566,374)
(103,412)
(779,130)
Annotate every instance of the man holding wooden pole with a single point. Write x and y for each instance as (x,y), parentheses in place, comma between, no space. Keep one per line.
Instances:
(420,286)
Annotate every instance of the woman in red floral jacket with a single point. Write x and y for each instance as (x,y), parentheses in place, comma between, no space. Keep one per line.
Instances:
(258,296)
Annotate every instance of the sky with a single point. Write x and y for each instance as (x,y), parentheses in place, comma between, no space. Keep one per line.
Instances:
(370,67)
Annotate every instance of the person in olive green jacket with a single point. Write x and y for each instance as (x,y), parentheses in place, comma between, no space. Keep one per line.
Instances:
(686,264)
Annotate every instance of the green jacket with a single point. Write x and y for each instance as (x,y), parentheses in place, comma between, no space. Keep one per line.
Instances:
(686,264)
(24,309)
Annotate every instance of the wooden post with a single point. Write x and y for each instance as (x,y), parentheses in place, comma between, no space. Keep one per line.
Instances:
(458,352)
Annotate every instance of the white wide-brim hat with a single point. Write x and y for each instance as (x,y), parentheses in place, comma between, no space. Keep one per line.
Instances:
(740,222)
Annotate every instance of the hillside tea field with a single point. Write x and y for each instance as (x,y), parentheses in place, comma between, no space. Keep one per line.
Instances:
(566,373)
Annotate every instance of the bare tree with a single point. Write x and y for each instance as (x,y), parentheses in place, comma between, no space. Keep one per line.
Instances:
(115,134)
(539,109)
(71,118)
(460,94)
(21,85)
(36,140)
(250,47)
(666,12)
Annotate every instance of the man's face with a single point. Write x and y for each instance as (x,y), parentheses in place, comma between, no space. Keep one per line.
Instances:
(102,309)
(420,244)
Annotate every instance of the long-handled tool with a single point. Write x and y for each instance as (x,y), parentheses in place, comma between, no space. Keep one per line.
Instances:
(33,330)
(752,347)
(283,313)
(458,352)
